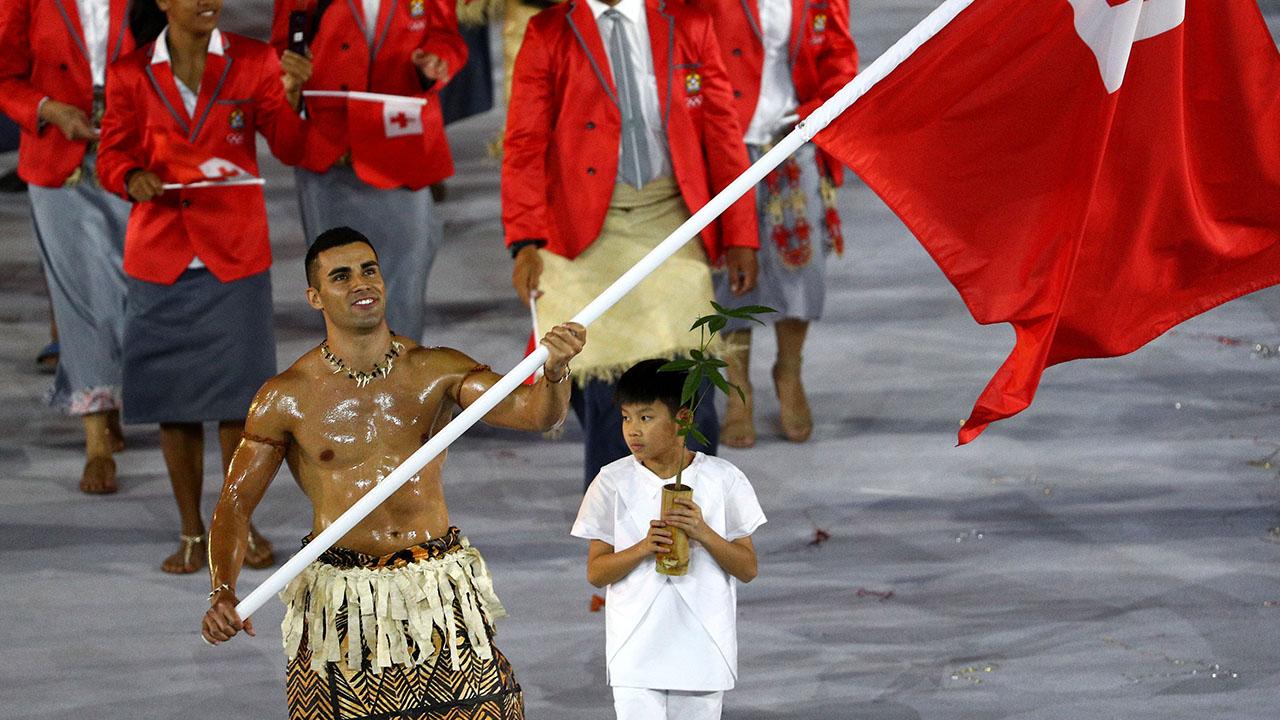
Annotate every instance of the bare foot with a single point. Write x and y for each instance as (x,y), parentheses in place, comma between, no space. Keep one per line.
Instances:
(116,432)
(99,476)
(797,421)
(191,556)
(259,555)
(739,427)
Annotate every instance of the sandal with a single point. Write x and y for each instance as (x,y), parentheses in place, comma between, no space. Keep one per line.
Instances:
(187,555)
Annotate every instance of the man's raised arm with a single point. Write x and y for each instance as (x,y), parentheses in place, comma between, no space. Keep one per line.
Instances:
(253,467)
(543,405)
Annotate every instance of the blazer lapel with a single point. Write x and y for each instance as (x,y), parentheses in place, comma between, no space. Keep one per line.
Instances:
(583,25)
(71,16)
(662,36)
(386,14)
(357,15)
(752,10)
(216,68)
(164,84)
(799,21)
(119,29)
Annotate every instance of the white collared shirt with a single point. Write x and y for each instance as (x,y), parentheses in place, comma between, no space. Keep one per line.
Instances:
(95,20)
(670,633)
(637,27)
(777,90)
(190,96)
(371,8)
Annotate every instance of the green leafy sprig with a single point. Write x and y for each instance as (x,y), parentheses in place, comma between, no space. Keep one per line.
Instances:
(700,365)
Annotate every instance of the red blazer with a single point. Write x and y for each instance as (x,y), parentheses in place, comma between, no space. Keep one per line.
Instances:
(343,60)
(43,53)
(823,55)
(240,93)
(560,158)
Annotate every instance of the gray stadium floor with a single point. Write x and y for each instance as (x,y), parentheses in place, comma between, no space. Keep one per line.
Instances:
(1105,555)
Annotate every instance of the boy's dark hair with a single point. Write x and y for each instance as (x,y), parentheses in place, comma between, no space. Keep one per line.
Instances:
(332,238)
(643,384)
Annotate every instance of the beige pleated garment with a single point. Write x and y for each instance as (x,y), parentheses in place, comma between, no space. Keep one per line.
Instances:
(393,610)
(653,320)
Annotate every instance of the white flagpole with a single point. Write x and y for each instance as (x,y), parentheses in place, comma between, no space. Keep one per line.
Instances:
(804,132)
(537,334)
(215,183)
(357,95)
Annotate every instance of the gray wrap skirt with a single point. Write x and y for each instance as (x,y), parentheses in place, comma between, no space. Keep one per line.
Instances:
(196,350)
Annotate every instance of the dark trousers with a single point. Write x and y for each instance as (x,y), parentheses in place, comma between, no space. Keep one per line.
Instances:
(602,426)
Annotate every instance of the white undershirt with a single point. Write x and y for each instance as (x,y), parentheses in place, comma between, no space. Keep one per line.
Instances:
(777,91)
(371,8)
(95,20)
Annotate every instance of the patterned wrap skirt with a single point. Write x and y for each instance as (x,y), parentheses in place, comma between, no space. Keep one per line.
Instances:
(799,229)
(404,636)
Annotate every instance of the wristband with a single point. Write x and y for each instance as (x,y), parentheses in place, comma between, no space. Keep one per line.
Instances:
(519,245)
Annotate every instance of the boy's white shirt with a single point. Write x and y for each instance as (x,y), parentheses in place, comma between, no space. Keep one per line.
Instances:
(617,509)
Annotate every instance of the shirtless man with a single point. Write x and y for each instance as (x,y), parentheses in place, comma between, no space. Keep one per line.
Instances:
(403,596)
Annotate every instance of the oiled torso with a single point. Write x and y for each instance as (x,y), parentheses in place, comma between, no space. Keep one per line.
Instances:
(344,440)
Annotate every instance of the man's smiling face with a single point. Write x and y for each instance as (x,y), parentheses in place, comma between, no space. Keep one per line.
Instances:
(348,286)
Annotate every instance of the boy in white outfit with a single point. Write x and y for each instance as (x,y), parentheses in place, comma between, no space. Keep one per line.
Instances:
(671,646)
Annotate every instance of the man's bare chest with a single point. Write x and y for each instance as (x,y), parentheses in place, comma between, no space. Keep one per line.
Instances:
(370,425)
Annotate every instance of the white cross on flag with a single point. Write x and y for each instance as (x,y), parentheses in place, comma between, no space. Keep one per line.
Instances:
(216,168)
(1092,172)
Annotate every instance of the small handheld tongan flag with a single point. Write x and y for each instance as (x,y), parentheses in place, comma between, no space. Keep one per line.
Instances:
(184,163)
(388,140)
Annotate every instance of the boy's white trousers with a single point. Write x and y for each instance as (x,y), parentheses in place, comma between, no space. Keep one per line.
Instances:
(645,704)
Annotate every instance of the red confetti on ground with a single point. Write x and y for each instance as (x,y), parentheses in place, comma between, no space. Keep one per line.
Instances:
(882,596)
(1228,341)
(819,536)
(597,602)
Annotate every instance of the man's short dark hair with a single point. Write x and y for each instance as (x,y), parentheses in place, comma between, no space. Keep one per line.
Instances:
(643,384)
(332,238)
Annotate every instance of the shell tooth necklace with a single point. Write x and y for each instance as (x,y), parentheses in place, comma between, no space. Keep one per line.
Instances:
(362,378)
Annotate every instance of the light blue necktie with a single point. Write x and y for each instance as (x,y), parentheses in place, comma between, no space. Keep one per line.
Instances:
(634,167)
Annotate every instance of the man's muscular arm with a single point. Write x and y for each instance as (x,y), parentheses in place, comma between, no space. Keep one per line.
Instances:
(540,406)
(253,466)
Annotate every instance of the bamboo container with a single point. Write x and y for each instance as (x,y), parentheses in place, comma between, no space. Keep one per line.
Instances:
(675,562)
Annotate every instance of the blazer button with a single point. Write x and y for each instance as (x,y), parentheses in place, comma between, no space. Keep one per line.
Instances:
(737,93)
(62,67)
(591,125)
(346,46)
(186,203)
(591,171)
(737,52)
(343,86)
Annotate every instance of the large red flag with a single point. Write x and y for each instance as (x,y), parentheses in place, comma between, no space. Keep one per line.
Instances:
(1091,171)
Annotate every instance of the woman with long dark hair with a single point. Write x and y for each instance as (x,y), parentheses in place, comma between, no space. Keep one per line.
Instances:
(198,335)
